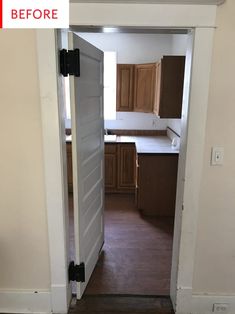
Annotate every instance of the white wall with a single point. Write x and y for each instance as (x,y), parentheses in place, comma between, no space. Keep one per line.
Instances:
(175,125)
(24,255)
(179,44)
(214,264)
(138,48)
(132,48)
(136,121)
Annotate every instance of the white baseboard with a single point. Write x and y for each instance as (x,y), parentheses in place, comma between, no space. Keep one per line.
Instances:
(188,303)
(60,298)
(183,300)
(25,301)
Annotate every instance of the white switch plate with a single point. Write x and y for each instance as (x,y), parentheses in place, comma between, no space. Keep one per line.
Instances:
(220,308)
(217,156)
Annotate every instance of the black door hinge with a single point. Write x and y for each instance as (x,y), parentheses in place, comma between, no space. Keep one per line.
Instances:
(70,62)
(77,272)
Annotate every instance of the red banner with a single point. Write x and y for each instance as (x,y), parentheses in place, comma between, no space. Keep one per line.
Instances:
(1,13)
(34,14)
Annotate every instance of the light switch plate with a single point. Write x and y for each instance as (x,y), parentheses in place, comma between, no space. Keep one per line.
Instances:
(217,156)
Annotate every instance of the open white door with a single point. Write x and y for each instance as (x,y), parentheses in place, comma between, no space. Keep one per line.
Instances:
(88,155)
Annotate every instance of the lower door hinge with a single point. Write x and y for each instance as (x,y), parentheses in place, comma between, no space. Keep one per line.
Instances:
(70,62)
(77,272)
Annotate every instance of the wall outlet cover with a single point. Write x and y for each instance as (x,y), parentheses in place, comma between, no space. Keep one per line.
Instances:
(220,308)
(217,156)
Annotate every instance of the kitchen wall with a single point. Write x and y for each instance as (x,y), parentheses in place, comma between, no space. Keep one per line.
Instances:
(175,125)
(138,48)
(179,44)
(136,121)
(132,48)
(24,256)
(214,260)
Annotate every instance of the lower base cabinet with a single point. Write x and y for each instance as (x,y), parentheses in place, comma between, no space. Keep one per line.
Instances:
(120,168)
(110,161)
(156,184)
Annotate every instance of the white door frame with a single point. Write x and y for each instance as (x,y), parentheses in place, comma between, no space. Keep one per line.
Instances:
(200,18)
(55,167)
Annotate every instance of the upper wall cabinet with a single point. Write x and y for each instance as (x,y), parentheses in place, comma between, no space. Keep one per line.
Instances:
(125,75)
(152,87)
(169,87)
(144,85)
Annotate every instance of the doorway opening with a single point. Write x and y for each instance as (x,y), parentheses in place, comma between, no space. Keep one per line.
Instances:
(136,257)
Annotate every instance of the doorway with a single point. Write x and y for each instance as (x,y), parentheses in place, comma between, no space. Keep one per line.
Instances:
(181,276)
(145,254)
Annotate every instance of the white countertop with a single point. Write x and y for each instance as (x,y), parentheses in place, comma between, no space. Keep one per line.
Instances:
(146,144)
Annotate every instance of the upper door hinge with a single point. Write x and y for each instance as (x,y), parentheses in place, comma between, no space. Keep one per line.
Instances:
(77,272)
(70,62)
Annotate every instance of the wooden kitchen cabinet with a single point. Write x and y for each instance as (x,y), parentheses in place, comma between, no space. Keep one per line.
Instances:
(135,87)
(144,87)
(156,184)
(169,87)
(126,167)
(152,87)
(110,160)
(119,168)
(125,81)
(69,166)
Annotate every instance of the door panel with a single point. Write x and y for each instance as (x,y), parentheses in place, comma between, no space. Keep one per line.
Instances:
(88,156)
(126,166)
(125,75)
(110,171)
(144,87)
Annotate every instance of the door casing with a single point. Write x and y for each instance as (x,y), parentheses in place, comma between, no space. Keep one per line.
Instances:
(202,23)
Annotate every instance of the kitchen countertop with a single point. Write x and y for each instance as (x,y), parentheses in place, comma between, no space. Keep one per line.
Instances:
(146,144)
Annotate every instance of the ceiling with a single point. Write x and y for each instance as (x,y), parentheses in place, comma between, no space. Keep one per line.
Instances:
(213,2)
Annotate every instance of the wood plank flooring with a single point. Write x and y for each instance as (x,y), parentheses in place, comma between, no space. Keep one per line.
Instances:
(122,305)
(133,271)
(136,257)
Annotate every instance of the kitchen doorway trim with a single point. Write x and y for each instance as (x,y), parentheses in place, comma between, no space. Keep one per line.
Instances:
(200,21)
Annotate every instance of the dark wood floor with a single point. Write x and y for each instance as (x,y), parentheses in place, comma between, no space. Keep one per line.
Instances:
(136,257)
(133,271)
(122,305)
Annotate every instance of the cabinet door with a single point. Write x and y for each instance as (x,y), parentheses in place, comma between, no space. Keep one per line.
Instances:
(171,86)
(69,166)
(144,90)
(126,167)
(110,167)
(125,74)
(157,184)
